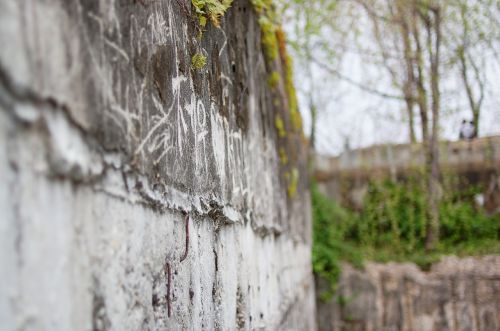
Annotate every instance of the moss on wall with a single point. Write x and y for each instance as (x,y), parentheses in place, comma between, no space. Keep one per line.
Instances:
(288,121)
(198,61)
(289,86)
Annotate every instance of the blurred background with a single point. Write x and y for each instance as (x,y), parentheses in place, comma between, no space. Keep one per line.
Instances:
(362,65)
(401,108)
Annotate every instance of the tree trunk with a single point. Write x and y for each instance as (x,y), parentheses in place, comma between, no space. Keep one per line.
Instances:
(411,122)
(434,28)
(313,111)
(475,105)
(419,79)
(468,61)
(408,54)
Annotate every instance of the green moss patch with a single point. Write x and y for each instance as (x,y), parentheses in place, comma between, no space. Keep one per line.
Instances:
(293,181)
(198,61)
(280,126)
(274,79)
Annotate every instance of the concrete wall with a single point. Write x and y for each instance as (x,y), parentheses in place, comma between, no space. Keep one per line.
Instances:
(456,294)
(110,141)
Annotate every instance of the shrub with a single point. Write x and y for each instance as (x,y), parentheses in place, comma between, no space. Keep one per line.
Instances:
(391,227)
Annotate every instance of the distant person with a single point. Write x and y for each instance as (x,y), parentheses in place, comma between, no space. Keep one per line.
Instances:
(467,130)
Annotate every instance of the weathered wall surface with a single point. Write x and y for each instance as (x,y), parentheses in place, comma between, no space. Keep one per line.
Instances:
(109,138)
(476,162)
(457,294)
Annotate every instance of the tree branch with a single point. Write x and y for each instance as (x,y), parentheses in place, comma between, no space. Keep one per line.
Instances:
(359,85)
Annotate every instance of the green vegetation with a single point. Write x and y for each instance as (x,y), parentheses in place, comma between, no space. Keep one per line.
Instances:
(295,116)
(268,38)
(331,227)
(261,5)
(391,227)
(273,43)
(268,23)
(211,10)
(198,61)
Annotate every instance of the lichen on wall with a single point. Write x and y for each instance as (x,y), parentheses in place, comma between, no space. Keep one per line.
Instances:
(142,178)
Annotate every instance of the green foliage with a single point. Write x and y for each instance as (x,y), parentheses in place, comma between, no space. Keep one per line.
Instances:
(391,227)
(261,5)
(396,213)
(462,222)
(330,228)
(198,61)
(211,10)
